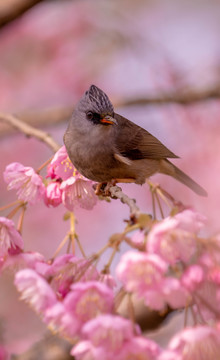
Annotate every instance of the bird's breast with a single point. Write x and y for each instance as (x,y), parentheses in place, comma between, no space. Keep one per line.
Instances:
(90,154)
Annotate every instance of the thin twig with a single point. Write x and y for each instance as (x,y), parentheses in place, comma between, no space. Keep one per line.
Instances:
(30,130)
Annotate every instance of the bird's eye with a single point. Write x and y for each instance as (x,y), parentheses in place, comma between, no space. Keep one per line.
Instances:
(89,115)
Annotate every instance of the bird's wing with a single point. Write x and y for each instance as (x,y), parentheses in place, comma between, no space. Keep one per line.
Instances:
(134,142)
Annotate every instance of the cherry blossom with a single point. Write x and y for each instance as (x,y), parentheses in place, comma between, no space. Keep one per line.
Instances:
(10,238)
(31,260)
(53,194)
(143,274)
(76,191)
(67,269)
(28,183)
(84,302)
(174,238)
(89,299)
(61,166)
(35,290)
(113,337)
(199,343)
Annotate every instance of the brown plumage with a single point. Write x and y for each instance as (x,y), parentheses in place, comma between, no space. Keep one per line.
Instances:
(105,146)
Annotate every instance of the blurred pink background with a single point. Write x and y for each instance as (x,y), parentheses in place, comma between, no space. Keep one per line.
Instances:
(50,56)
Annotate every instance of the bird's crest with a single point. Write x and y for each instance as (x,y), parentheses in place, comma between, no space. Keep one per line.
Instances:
(99,100)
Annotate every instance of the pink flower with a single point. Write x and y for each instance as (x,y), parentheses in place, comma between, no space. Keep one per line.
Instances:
(53,194)
(105,334)
(89,299)
(169,355)
(193,277)
(67,269)
(207,300)
(108,280)
(173,293)
(204,290)
(114,338)
(35,290)
(76,191)
(31,260)
(61,166)
(9,237)
(197,343)
(28,183)
(147,276)
(109,331)
(85,350)
(143,274)
(190,220)
(138,239)
(174,238)
(85,301)
(139,348)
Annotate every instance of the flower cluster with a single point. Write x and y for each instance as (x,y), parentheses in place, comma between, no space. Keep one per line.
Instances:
(67,293)
(66,184)
(169,266)
(177,268)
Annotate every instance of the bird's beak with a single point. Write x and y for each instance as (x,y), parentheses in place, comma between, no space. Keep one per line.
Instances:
(109,120)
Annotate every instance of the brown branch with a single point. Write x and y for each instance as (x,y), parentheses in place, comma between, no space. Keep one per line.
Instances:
(62,114)
(30,131)
(185,98)
(10,10)
(117,193)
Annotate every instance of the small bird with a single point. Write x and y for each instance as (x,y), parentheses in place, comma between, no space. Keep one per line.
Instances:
(106,147)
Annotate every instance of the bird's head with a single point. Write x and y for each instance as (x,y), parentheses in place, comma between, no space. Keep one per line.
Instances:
(96,108)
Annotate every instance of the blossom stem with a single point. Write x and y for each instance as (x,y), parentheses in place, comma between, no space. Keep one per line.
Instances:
(21,219)
(115,250)
(159,204)
(100,252)
(131,228)
(193,315)
(153,204)
(43,165)
(72,231)
(15,210)
(11,204)
(131,311)
(80,246)
(63,242)
(119,298)
(165,196)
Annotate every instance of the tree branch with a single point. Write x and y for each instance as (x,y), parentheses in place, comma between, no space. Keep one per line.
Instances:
(13,9)
(185,98)
(58,115)
(117,193)
(30,131)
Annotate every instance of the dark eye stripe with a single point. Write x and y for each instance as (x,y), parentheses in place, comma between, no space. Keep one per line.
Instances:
(94,117)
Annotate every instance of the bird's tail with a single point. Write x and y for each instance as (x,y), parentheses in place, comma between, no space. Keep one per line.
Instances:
(170,169)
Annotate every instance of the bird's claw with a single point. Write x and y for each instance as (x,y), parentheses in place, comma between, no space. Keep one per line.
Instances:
(103,189)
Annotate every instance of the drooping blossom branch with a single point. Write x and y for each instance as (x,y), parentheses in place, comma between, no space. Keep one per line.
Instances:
(168,266)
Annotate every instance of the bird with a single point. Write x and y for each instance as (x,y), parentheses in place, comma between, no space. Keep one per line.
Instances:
(105,147)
